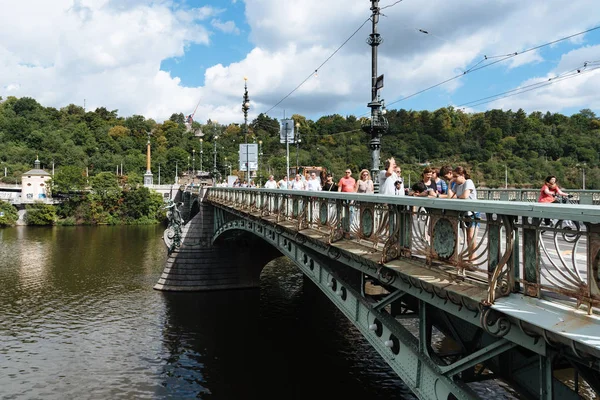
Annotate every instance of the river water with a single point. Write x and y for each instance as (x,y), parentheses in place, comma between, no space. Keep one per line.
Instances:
(79,320)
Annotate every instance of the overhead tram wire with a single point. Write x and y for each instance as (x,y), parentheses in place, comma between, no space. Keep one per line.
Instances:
(574,75)
(534,86)
(476,67)
(390,5)
(319,67)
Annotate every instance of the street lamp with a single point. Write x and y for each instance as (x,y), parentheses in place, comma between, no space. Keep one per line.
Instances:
(193,163)
(245,108)
(227,165)
(188,170)
(582,167)
(298,140)
(377,125)
(215,155)
(201,153)
(260,162)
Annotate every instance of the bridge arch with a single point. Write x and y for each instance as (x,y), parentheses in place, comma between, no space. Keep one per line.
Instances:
(194,209)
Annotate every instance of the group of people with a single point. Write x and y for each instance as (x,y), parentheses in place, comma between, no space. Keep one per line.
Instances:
(444,182)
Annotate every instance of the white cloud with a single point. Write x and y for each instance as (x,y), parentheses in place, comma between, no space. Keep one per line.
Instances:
(563,87)
(227,26)
(110,51)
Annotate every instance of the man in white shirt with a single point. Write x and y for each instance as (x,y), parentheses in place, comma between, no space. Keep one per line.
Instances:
(297,183)
(313,184)
(271,184)
(391,175)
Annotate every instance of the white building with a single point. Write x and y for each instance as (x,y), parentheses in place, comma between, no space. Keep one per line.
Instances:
(34,184)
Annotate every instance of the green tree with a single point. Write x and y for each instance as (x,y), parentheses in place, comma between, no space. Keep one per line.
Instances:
(69,179)
(40,214)
(105,184)
(8,214)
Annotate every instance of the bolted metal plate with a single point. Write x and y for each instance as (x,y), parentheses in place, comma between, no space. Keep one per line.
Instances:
(366,222)
(444,239)
(323,213)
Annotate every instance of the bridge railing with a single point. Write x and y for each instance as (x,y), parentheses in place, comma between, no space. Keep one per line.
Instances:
(504,246)
(584,197)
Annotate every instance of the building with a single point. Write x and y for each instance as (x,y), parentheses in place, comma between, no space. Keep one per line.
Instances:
(34,184)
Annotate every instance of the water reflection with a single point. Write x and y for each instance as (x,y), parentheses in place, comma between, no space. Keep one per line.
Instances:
(79,319)
(283,341)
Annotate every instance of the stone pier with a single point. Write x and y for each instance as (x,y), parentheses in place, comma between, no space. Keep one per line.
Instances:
(233,262)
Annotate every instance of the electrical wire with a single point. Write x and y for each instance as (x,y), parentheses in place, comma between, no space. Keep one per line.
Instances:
(319,67)
(534,86)
(476,67)
(391,5)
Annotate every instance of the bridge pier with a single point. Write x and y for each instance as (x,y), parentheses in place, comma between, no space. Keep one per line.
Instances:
(198,265)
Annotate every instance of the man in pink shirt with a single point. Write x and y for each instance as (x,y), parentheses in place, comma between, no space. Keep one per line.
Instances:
(347,183)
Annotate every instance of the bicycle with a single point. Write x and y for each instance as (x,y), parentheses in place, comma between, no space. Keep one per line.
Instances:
(569,229)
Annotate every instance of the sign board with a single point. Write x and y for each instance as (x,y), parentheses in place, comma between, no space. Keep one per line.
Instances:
(248,153)
(379,82)
(253,166)
(287,130)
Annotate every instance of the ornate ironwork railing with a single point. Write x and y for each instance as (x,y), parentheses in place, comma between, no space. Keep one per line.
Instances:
(584,197)
(516,247)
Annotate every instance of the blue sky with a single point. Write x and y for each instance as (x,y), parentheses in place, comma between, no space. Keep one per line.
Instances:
(158,57)
(224,48)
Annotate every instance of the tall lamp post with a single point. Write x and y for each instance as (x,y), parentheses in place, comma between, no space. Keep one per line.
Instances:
(193,163)
(377,125)
(215,155)
(245,108)
(298,140)
(201,153)
(260,162)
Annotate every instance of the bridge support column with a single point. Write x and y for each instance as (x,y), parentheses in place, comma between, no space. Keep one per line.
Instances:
(197,265)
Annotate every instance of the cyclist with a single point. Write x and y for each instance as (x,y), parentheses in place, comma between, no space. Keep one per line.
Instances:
(550,190)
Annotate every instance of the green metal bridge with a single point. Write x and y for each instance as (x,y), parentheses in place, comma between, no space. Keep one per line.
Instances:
(516,299)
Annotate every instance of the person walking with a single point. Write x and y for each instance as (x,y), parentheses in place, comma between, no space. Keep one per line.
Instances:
(283,183)
(347,183)
(297,183)
(364,184)
(271,184)
(313,184)
(330,185)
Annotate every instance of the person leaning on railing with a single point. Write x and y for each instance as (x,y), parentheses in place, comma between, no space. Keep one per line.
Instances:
(462,187)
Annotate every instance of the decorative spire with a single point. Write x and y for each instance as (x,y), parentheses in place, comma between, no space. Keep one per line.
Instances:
(37,162)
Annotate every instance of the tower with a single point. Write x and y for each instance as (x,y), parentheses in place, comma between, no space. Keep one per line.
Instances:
(148,177)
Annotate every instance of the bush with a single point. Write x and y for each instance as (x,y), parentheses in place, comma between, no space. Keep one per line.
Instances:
(40,214)
(69,221)
(8,214)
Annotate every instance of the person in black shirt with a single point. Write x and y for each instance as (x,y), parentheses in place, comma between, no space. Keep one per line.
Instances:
(330,185)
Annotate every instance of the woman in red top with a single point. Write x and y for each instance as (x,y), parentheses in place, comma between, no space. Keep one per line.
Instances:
(549,190)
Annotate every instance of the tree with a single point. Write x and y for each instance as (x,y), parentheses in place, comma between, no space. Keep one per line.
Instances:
(105,184)
(140,202)
(8,214)
(69,179)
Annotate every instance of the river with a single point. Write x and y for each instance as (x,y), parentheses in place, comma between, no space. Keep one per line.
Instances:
(79,320)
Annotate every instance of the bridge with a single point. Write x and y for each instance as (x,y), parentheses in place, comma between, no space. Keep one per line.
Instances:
(511,298)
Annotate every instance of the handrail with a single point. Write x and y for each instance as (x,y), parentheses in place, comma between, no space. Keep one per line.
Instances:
(508,246)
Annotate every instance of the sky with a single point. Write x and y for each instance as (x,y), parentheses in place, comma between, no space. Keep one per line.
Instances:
(159,57)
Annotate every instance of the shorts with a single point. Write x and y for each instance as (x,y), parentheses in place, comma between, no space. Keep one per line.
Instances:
(471,218)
